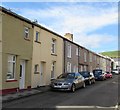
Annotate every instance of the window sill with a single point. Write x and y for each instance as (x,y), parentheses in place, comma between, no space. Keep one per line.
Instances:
(11,80)
(53,54)
(37,42)
(27,39)
(68,57)
(36,72)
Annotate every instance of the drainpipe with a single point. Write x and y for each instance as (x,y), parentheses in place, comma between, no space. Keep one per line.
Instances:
(64,55)
(78,58)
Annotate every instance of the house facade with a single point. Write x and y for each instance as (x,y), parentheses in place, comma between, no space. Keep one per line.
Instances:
(83,59)
(32,55)
(47,59)
(70,54)
(15,52)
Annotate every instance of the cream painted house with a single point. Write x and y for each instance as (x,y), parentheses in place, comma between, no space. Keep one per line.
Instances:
(47,59)
(15,52)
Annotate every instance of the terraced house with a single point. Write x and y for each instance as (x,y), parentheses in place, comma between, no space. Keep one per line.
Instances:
(47,59)
(70,54)
(16,52)
(31,55)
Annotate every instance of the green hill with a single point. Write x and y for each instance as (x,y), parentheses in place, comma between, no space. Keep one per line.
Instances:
(112,54)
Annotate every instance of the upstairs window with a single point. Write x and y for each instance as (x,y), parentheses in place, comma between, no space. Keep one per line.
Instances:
(69,51)
(77,51)
(53,46)
(26,32)
(90,57)
(85,57)
(11,67)
(37,36)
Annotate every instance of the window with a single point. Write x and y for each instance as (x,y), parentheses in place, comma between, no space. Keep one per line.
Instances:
(53,70)
(26,33)
(85,57)
(75,69)
(85,68)
(98,61)
(53,46)
(11,67)
(37,36)
(90,57)
(77,51)
(69,51)
(95,58)
(36,68)
(68,67)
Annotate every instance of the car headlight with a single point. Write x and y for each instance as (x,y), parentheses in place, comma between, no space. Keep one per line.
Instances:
(67,83)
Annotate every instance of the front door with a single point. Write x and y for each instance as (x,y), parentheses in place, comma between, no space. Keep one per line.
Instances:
(22,75)
(42,69)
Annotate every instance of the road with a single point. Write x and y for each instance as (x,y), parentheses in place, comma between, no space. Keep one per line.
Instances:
(102,94)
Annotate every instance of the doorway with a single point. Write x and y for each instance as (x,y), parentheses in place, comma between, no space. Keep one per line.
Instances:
(22,74)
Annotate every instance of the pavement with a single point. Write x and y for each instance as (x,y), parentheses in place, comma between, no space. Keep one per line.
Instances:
(23,94)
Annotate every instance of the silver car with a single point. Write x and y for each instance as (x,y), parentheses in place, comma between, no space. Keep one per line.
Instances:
(68,81)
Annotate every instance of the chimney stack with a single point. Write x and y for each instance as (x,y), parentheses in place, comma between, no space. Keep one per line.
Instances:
(69,36)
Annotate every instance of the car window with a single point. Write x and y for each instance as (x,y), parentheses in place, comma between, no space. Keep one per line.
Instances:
(70,76)
(78,75)
(62,76)
(85,74)
(97,72)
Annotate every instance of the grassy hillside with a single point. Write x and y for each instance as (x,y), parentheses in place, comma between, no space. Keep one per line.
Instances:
(111,53)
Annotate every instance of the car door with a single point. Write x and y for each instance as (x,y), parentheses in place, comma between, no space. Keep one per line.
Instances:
(79,78)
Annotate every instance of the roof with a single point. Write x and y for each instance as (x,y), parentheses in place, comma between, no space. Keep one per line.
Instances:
(38,25)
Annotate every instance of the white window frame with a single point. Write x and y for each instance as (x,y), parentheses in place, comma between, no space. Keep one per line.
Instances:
(53,46)
(77,51)
(75,69)
(53,70)
(37,35)
(68,67)
(85,68)
(12,62)
(26,31)
(69,51)
(85,57)
(36,68)
(90,57)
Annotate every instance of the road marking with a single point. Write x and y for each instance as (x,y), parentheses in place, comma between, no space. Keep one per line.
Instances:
(83,107)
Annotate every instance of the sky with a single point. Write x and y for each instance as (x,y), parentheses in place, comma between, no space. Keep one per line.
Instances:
(94,25)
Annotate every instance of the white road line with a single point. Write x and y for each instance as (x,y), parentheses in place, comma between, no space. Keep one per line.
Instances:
(83,107)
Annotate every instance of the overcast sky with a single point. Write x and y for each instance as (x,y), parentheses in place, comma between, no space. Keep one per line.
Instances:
(93,24)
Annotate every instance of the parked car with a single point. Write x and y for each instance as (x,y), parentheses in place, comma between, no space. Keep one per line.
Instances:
(115,71)
(92,77)
(68,81)
(99,74)
(89,79)
(108,75)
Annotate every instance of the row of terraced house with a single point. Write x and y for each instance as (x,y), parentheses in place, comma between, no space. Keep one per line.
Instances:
(31,55)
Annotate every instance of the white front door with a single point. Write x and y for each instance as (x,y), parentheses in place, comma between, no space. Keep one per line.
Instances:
(41,73)
(22,75)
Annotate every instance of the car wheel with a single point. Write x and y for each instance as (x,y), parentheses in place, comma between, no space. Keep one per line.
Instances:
(84,85)
(89,82)
(93,81)
(73,88)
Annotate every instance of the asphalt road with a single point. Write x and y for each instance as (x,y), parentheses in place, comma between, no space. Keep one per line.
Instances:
(102,94)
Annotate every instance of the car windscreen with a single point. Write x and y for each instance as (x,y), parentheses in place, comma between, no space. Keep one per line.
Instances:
(97,72)
(85,74)
(68,76)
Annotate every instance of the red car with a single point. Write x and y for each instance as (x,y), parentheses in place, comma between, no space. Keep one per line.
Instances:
(108,75)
